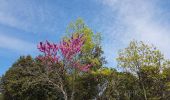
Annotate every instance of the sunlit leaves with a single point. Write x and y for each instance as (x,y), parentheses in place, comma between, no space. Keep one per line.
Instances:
(137,55)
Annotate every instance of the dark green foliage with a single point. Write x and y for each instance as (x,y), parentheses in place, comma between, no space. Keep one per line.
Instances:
(1,97)
(121,86)
(86,87)
(166,74)
(24,81)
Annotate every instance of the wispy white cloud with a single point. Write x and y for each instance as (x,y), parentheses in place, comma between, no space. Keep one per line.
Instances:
(16,45)
(30,15)
(11,16)
(142,20)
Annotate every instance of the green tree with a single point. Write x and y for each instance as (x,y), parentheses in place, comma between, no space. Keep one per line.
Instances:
(138,56)
(24,81)
(166,73)
(91,53)
(92,50)
(121,86)
(153,81)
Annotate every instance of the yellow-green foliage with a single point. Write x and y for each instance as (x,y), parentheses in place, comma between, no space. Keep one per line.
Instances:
(1,96)
(103,72)
(91,50)
(88,35)
(79,27)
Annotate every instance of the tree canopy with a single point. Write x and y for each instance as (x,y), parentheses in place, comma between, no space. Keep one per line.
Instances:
(74,69)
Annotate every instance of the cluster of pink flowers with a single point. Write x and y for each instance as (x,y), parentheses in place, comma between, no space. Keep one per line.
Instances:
(85,68)
(82,67)
(49,50)
(69,49)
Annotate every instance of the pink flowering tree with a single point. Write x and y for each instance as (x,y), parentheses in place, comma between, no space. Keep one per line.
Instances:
(66,53)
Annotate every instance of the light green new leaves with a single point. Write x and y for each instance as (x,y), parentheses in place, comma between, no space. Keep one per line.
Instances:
(138,55)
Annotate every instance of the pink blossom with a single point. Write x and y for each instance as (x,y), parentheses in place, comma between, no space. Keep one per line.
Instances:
(85,68)
(49,50)
(71,47)
(66,50)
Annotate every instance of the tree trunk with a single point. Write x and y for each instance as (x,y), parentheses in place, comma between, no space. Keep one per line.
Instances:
(73,85)
(144,91)
(143,87)
(65,95)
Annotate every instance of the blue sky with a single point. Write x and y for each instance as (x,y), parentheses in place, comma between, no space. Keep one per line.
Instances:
(24,23)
